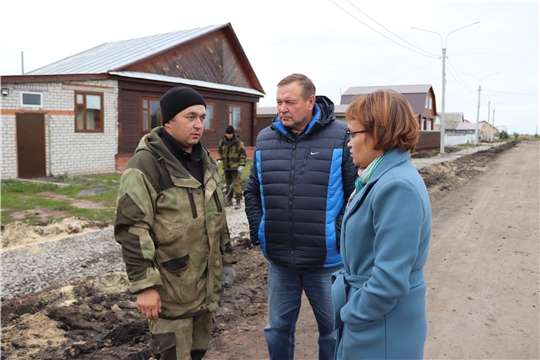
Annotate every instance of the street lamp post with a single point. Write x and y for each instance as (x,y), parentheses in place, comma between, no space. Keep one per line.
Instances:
(478,109)
(443,45)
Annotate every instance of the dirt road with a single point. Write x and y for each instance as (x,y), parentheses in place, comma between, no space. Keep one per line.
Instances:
(482,276)
(482,271)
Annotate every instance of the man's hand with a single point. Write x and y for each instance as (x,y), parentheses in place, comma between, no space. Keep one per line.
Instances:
(218,163)
(149,303)
(228,274)
(240,168)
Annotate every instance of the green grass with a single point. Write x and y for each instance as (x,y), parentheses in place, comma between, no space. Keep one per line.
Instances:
(245,171)
(19,196)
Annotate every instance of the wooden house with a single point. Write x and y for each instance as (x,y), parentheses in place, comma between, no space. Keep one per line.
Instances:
(85,114)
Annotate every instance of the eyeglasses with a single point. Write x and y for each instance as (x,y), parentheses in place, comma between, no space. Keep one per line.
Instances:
(352,134)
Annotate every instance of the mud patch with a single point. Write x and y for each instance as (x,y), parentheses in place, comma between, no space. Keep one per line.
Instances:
(80,203)
(97,318)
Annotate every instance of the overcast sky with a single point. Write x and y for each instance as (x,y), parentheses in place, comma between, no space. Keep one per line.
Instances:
(338,44)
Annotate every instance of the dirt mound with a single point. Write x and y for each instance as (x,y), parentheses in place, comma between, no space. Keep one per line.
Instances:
(18,233)
(452,174)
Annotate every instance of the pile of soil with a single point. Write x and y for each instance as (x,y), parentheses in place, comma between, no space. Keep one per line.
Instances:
(96,318)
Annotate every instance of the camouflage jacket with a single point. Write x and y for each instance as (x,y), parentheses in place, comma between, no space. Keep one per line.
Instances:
(232,152)
(172,229)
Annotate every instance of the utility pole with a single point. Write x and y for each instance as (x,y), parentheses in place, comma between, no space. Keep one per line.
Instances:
(443,119)
(477,116)
(443,45)
(478,111)
(493,123)
(491,129)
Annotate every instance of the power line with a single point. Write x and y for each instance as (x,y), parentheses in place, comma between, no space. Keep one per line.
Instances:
(399,37)
(354,17)
(458,79)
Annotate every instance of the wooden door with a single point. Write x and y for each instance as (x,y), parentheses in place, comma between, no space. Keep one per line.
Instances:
(31,145)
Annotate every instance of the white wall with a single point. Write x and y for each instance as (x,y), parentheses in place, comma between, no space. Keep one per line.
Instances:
(67,152)
(452,140)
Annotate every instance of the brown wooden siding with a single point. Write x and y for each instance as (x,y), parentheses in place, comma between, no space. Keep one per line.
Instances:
(429,140)
(209,58)
(130,97)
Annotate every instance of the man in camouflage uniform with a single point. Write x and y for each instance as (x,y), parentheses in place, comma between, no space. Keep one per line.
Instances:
(233,155)
(172,228)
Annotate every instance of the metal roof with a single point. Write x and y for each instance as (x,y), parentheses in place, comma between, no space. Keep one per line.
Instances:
(403,89)
(466,126)
(171,79)
(452,120)
(116,55)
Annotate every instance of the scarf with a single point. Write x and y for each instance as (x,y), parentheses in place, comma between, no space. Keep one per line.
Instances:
(364,174)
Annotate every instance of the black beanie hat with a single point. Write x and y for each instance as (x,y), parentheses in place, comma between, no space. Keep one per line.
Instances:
(229,130)
(178,99)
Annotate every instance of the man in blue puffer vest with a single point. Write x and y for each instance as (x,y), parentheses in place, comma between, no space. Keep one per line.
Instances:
(300,180)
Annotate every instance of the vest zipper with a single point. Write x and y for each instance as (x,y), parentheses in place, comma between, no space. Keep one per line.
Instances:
(291,185)
(305,160)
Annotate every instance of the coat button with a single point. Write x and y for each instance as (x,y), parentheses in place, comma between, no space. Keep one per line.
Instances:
(198,191)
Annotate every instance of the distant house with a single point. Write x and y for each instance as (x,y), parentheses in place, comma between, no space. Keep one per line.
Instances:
(457,128)
(458,132)
(85,114)
(451,120)
(422,100)
(486,132)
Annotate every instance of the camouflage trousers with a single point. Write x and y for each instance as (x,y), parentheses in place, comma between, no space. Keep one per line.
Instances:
(181,339)
(230,176)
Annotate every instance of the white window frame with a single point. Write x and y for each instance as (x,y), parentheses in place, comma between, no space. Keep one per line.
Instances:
(32,93)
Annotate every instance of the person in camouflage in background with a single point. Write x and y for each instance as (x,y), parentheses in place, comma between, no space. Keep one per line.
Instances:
(232,153)
(173,231)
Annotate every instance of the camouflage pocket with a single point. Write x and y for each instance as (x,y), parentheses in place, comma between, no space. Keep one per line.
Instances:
(179,278)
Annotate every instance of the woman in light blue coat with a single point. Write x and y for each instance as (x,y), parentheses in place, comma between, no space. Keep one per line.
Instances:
(380,295)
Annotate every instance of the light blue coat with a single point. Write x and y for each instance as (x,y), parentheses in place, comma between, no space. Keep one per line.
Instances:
(380,295)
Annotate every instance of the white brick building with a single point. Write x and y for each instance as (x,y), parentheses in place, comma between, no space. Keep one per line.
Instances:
(66,151)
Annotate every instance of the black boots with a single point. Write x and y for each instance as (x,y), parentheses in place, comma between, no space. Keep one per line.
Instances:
(229,203)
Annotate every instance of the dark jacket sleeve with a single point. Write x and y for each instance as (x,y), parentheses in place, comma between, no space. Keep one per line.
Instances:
(350,173)
(252,199)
